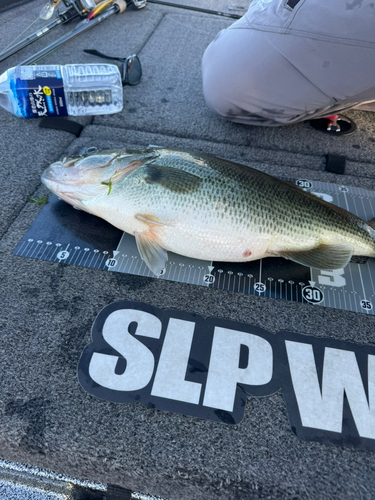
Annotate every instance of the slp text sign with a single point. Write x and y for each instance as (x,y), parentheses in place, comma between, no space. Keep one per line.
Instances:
(176,361)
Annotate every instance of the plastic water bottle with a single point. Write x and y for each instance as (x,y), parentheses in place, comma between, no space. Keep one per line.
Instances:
(73,89)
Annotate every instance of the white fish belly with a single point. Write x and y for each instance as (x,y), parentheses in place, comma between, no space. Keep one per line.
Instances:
(192,234)
(206,244)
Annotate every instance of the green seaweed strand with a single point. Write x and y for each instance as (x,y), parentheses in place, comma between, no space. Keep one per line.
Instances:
(109,184)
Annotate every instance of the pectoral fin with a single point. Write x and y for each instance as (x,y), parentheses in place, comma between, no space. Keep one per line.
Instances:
(322,257)
(154,255)
(150,219)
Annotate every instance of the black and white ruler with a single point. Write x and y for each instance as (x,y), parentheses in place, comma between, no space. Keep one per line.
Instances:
(62,234)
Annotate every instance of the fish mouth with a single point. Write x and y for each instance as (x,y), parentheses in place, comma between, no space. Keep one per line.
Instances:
(79,179)
(69,188)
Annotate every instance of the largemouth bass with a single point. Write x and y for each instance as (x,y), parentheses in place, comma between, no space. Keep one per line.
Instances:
(208,208)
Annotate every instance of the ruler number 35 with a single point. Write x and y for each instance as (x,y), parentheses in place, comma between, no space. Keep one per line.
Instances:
(366,304)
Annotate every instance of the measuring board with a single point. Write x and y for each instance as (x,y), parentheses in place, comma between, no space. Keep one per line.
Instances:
(62,234)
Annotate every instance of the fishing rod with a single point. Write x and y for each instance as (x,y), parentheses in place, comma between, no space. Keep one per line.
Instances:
(87,8)
(197,9)
(117,7)
(81,27)
(75,8)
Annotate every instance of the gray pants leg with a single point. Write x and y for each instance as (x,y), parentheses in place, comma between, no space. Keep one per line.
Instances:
(287,61)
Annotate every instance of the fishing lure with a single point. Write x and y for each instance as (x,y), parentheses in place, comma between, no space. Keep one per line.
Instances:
(99,8)
(48,9)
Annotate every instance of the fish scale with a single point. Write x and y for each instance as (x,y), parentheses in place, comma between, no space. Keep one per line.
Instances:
(208,208)
(266,199)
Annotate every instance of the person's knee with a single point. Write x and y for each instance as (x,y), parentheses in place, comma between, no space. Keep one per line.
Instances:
(216,96)
(217,84)
(257,86)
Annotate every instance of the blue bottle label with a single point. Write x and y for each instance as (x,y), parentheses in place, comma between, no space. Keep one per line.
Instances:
(39,91)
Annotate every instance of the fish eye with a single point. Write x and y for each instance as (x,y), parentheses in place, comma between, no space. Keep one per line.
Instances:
(91,150)
(88,151)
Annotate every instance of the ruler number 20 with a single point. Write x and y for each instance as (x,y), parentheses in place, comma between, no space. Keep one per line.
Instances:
(209,279)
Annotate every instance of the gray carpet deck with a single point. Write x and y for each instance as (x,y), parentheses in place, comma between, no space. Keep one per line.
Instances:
(47,309)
